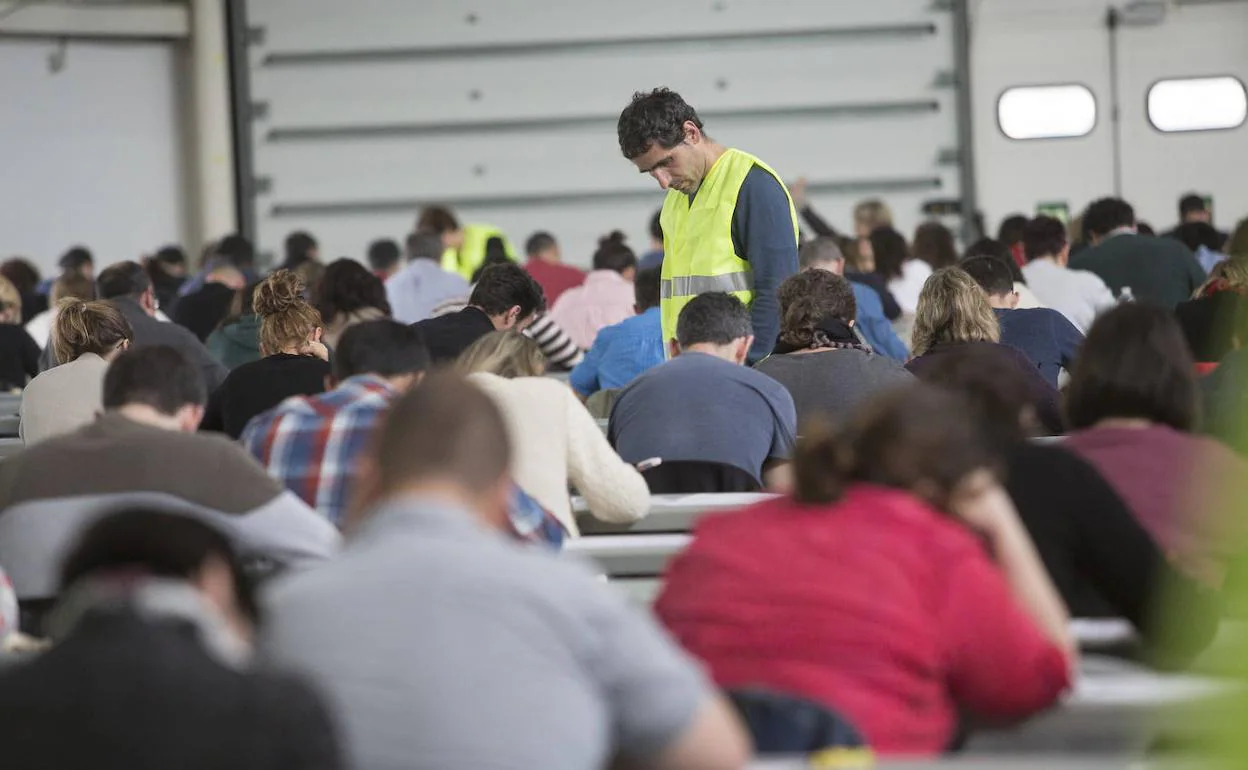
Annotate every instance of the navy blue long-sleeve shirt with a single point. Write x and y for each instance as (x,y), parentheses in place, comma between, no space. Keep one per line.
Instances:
(1044,336)
(762,234)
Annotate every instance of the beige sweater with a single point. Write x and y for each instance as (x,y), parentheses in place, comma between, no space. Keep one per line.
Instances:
(63,399)
(556,441)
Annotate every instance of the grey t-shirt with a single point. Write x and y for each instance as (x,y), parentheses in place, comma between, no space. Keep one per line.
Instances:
(702,408)
(439,644)
(833,383)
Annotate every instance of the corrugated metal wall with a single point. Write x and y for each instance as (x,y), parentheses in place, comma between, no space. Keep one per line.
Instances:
(365,110)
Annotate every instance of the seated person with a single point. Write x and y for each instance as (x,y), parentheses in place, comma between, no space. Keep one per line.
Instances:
(143,449)
(19,354)
(606,296)
(1043,335)
(348,294)
(554,439)
(704,405)
(313,444)
(824,254)
(623,351)
(1132,406)
(987,247)
(237,340)
(818,358)
(158,615)
(89,335)
(295,362)
(897,586)
(1102,560)
(68,286)
(1208,319)
(511,658)
(506,297)
(202,310)
(954,314)
(1076,294)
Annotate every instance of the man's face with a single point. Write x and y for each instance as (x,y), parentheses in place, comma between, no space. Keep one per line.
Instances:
(1197,216)
(677,168)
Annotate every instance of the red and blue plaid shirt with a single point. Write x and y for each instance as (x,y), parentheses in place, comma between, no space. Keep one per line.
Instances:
(312,444)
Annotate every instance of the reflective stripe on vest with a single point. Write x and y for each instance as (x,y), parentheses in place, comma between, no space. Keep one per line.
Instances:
(693,285)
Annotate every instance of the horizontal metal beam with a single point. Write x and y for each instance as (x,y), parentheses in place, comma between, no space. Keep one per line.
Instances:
(583,122)
(527,200)
(635,44)
(128,21)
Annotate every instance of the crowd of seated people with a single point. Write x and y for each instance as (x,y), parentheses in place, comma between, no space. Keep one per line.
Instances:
(384,451)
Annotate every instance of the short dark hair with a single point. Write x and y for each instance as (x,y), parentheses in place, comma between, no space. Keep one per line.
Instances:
(1193,235)
(654,117)
(504,286)
(538,242)
(614,254)
(384,347)
(444,428)
(1044,237)
(646,288)
(436,220)
(124,279)
(1011,230)
(934,244)
(76,259)
(298,248)
(171,254)
(890,250)
(809,298)
(656,225)
(236,250)
(383,254)
(21,273)
(991,274)
(157,376)
(713,318)
(1191,203)
(156,543)
(422,245)
(1135,363)
(347,287)
(1106,215)
(817,251)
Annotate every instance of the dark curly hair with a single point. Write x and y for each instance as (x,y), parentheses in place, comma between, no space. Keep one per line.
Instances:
(808,298)
(348,286)
(654,117)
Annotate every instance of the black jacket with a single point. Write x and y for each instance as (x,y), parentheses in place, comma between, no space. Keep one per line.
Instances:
(449,335)
(120,693)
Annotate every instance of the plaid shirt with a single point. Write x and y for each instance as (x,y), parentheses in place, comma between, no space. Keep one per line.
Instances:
(312,443)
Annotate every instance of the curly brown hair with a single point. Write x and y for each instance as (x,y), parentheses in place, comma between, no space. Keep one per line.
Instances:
(808,298)
(286,319)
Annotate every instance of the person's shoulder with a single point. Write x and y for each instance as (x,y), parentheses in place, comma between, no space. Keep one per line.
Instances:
(760,186)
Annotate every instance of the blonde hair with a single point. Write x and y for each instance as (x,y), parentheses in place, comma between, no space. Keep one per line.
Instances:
(873,213)
(1232,271)
(505,353)
(953,308)
(286,318)
(88,327)
(10,300)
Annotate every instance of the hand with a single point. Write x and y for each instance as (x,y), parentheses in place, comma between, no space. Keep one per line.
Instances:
(982,503)
(316,349)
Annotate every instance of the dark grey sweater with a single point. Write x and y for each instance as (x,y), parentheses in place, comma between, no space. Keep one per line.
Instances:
(833,382)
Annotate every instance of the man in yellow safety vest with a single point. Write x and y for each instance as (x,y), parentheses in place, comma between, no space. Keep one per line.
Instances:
(728,222)
(465,247)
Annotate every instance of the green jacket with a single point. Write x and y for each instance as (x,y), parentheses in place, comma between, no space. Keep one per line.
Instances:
(236,343)
(1158,270)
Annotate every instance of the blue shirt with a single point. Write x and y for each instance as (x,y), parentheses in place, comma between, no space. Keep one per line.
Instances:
(620,353)
(875,328)
(1045,336)
(417,289)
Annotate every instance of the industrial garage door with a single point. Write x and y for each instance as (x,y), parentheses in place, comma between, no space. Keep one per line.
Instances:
(352,115)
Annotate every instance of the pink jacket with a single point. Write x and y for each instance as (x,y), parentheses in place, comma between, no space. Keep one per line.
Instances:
(604,299)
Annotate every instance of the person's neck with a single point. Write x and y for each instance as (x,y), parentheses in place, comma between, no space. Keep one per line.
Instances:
(550,259)
(723,352)
(999,303)
(146,415)
(451,495)
(1133,423)
(711,152)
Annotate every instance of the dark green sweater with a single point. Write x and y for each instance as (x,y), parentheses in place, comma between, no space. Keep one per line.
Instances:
(1158,270)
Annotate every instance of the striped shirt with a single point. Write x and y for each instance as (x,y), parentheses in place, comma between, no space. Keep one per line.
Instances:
(560,351)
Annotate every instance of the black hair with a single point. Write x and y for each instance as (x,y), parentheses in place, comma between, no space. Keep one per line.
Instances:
(987,247)
(1190,204)
(347,287)
(614,254)
(991,274)
(646,288)
(1011,230)
(384,347)
(890,250)
(157,376)
(654,117)
(1044,237)
(170,255)
(1106,215)
(934,244)
(383,254)
(298,247)
(1193,235)
(1135,363)
(715,318)
(1144,228)
(538,242)
(504,286)
(493,256)
(236,250)
(124,279)
(76,259)
(656,225)
(156,543)
(436,220)
(423,245)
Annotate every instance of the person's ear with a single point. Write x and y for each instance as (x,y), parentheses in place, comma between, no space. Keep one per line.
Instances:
(1063,256)
(317,334)
(673,348)
(743,349)
(494,504)
(215,582)
(330,382)
(189,417)
(693,134)
(1012,299)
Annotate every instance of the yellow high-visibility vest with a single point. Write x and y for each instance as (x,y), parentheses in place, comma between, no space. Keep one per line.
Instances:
(468,257)
(698,253)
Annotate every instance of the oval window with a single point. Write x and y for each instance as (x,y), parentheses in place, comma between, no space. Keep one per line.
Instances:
(1197,104)
(1046,112)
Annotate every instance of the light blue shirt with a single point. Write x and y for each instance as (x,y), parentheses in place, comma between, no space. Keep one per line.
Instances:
(620,353)
(874,326)
(417,289)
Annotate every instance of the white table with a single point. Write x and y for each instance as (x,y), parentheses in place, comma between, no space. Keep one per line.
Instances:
(669,513)
(629,555)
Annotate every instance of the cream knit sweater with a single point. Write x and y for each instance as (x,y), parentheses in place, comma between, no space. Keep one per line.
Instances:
(556,441)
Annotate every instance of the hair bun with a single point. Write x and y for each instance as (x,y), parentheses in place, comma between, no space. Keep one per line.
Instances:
(278,293)
(614,238)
